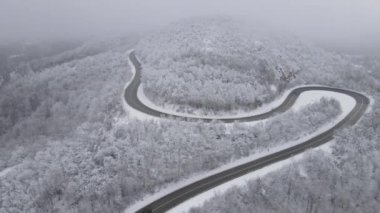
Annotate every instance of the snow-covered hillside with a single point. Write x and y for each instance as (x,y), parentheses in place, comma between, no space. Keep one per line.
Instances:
(217,65)
(68,146)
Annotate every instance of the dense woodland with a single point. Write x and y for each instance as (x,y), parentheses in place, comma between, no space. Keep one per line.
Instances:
(208,65)
(69,146)
(103,166)
(345,180)
(55,101)
(24,58)
(218,65)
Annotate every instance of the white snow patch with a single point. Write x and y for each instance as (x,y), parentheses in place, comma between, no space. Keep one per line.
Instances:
(302,172)
(6,171)
(273,88)
(346,101)
(327,147)
(371,103)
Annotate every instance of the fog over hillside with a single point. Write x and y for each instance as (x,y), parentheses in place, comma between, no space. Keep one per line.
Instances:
(344,24)
(142,106)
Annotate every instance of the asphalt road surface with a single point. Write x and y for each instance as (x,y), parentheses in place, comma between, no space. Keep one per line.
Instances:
(171,200)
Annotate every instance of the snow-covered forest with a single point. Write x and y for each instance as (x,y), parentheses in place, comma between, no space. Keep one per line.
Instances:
(117,162)
(345,180)
(210,63)
(67,145)
(84,140)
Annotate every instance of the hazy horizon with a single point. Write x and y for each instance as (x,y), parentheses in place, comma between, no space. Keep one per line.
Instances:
(346,24)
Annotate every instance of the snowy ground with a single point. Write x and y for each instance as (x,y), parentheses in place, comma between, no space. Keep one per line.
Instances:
(309,97)
(200,199)
(171,109)
(306,98)
(347,103)
(6,171)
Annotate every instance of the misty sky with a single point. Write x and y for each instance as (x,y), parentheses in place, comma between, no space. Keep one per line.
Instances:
(343,21)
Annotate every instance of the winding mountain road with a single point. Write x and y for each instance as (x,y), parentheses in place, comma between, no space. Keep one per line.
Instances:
(170,200)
